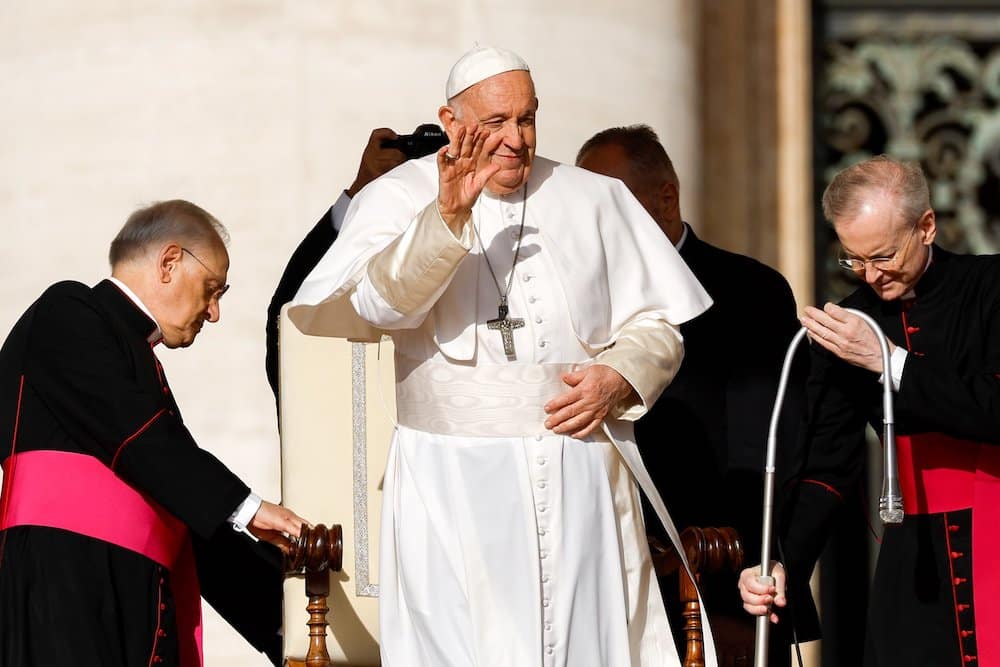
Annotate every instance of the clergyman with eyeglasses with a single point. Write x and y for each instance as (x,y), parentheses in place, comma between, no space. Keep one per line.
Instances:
(113,522)
(935,599)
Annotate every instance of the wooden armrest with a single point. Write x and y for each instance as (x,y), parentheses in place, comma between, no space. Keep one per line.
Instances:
(316,552)
(708,550)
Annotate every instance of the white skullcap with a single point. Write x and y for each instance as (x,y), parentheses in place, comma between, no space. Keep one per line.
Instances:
(479,64)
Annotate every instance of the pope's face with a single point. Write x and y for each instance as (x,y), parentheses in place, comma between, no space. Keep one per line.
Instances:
(504,104)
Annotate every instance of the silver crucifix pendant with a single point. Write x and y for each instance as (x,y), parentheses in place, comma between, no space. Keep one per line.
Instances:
(506,325)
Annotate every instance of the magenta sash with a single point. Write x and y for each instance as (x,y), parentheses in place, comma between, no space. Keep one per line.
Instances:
(79,494)
(938,473)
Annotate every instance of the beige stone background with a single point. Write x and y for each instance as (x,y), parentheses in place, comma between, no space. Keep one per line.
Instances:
(257,110)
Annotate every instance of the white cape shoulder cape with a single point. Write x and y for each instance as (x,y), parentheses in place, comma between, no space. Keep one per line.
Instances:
(613,262)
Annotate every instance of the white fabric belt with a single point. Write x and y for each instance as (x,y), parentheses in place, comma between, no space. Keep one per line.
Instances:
(498,400)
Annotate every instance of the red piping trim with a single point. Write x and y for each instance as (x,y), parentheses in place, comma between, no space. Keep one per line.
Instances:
(954,593)
(906,330)
(135,435)
(9,475)
(159,620)
(825,486)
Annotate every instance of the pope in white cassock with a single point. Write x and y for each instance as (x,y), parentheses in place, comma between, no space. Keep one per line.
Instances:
(534,309)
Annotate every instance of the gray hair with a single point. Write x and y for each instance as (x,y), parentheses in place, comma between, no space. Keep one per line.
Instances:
(903,181)
(646,155)
(175,220)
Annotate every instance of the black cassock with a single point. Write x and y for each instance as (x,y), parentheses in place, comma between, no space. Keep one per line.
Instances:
(704,439)
(78,374)
(934,599)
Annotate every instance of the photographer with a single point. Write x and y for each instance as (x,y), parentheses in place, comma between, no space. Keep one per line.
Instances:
(384,151)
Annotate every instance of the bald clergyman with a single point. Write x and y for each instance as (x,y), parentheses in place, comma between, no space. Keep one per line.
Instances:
(532,323)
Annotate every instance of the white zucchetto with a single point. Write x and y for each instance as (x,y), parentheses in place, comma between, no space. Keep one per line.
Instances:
(479,64)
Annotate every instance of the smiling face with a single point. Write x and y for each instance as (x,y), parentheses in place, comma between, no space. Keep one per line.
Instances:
(877,230)
(193,280)
(504,104)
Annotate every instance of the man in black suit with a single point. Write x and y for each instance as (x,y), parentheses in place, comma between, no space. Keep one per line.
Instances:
(704,439)
(375,161)
(111,515)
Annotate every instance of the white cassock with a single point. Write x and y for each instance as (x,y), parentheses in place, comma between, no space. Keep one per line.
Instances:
(503,544)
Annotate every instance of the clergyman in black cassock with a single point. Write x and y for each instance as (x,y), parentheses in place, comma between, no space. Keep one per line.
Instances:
(81,389)
(935,598)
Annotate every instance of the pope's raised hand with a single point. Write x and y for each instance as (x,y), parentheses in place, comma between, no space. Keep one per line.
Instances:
(464,168)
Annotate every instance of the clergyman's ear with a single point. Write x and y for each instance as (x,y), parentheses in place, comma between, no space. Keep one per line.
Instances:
(928,227)
(167,262)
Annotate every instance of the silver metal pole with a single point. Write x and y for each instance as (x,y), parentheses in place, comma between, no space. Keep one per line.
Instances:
(891,501)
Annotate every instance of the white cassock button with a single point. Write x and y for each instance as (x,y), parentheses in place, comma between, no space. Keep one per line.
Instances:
(543,554)
(527,277)
(542,508)
(541,459)
(541,485)
(532,299)
(538,438)
(538,320)
(545,603)
(545,579)
(542,343)
(550,650)
(541,533)
(548,628)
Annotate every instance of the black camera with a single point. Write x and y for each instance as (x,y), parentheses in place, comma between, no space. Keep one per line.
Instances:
(426,139)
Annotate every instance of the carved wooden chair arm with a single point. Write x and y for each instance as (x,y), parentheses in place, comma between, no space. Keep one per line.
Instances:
(316,552)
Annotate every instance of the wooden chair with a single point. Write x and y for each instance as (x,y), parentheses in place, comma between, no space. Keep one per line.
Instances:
(708,550)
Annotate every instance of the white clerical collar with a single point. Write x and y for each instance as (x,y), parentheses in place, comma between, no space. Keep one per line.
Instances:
(930,256)
(157,335)
(683,238)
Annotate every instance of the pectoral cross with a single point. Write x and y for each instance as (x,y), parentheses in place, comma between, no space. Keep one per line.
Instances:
(506,325)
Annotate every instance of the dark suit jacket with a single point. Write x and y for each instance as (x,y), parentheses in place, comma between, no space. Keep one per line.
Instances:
(704,440)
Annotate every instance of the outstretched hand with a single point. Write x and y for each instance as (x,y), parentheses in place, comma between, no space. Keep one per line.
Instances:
(463,173)
(276,524)
(594,392)
(376,160)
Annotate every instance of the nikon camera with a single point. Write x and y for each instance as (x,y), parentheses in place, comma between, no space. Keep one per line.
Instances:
(426,139)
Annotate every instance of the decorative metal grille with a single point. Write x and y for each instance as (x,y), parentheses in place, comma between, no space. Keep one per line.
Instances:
(918,85)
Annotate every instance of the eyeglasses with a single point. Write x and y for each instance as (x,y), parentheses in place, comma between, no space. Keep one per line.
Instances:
(889,263)
(216,294)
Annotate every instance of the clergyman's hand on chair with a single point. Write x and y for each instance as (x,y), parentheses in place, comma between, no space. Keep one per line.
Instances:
(276,524)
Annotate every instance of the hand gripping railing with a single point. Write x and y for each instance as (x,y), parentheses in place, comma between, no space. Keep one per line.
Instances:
(890,504)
